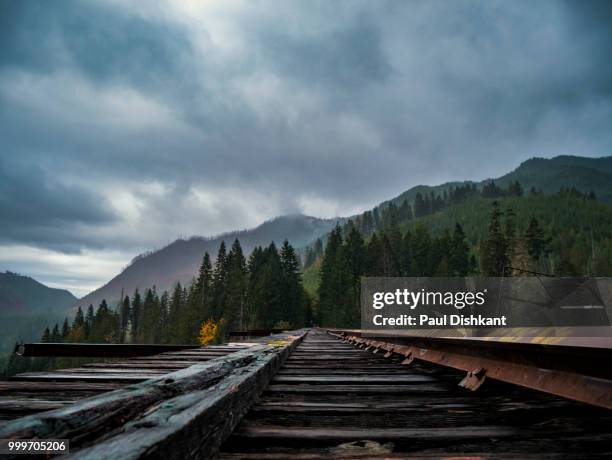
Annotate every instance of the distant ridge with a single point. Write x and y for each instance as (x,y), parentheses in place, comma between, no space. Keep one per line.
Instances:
(584,173)
(22,295)
(27,306)
(180,260)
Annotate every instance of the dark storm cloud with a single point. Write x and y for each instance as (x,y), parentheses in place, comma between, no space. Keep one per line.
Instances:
(200,120)
(347,59)
(102,42)
(36,210)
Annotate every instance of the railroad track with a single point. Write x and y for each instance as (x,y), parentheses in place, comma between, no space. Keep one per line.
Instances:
(332,400)
(302,395)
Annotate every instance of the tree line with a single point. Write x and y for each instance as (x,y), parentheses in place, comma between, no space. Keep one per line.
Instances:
(262,292)
(348,256)
(428,203)
(391,252)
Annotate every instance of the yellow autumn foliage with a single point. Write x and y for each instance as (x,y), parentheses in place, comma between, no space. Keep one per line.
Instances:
(209,332)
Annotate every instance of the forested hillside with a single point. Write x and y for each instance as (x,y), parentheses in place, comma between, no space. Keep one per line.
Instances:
(549,175)
(463,232)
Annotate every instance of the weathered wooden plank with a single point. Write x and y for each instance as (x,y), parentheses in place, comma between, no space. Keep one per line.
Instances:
(195,354)
(97,416)
(331,372)
(67,377)
(10,387)
(140,365)
(265,433)
(536,419)
(352,380)
(110,370)
(23,406)
(331,358)
(194,424)
(356,389)
(446,401)
(362,364)
(166,358)
(375,450)
(102,350)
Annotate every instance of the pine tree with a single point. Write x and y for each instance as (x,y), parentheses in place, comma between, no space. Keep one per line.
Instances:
(355,252)
(387,256)
(566,265)
(510,233)
(318,247)
(309,257)
(149,330)
(421,249)
(105,324)
(77,331)
(235,311)
(374,265)
(204,287)
(65,332)
(219,283)
(46,336)
(515,189)
(79,318)
(292,284)
(136,314)
(164,317)
(89,322)
(334,287)
(536,242)
(459,263)
(491,190)
(124,315)
(255,295)
(439,264)
(392,248)
(174,316)
(406,255)
(494,259)
(420,206)
(272,272)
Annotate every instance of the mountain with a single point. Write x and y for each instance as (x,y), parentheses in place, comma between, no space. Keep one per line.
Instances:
(180,260)
(27,306)
(584,174)
(22,295)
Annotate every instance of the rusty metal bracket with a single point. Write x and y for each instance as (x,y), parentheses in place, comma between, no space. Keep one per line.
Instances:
(408,359)
(474,379)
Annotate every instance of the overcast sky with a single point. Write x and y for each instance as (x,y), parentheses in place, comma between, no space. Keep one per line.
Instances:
(126,124)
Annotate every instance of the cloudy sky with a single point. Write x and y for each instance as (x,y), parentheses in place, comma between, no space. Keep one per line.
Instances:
(124,125)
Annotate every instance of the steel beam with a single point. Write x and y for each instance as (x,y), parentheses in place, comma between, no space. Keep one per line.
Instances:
(578,373)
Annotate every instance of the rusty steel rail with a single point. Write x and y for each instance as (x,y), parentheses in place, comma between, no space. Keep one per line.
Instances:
(579,373)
